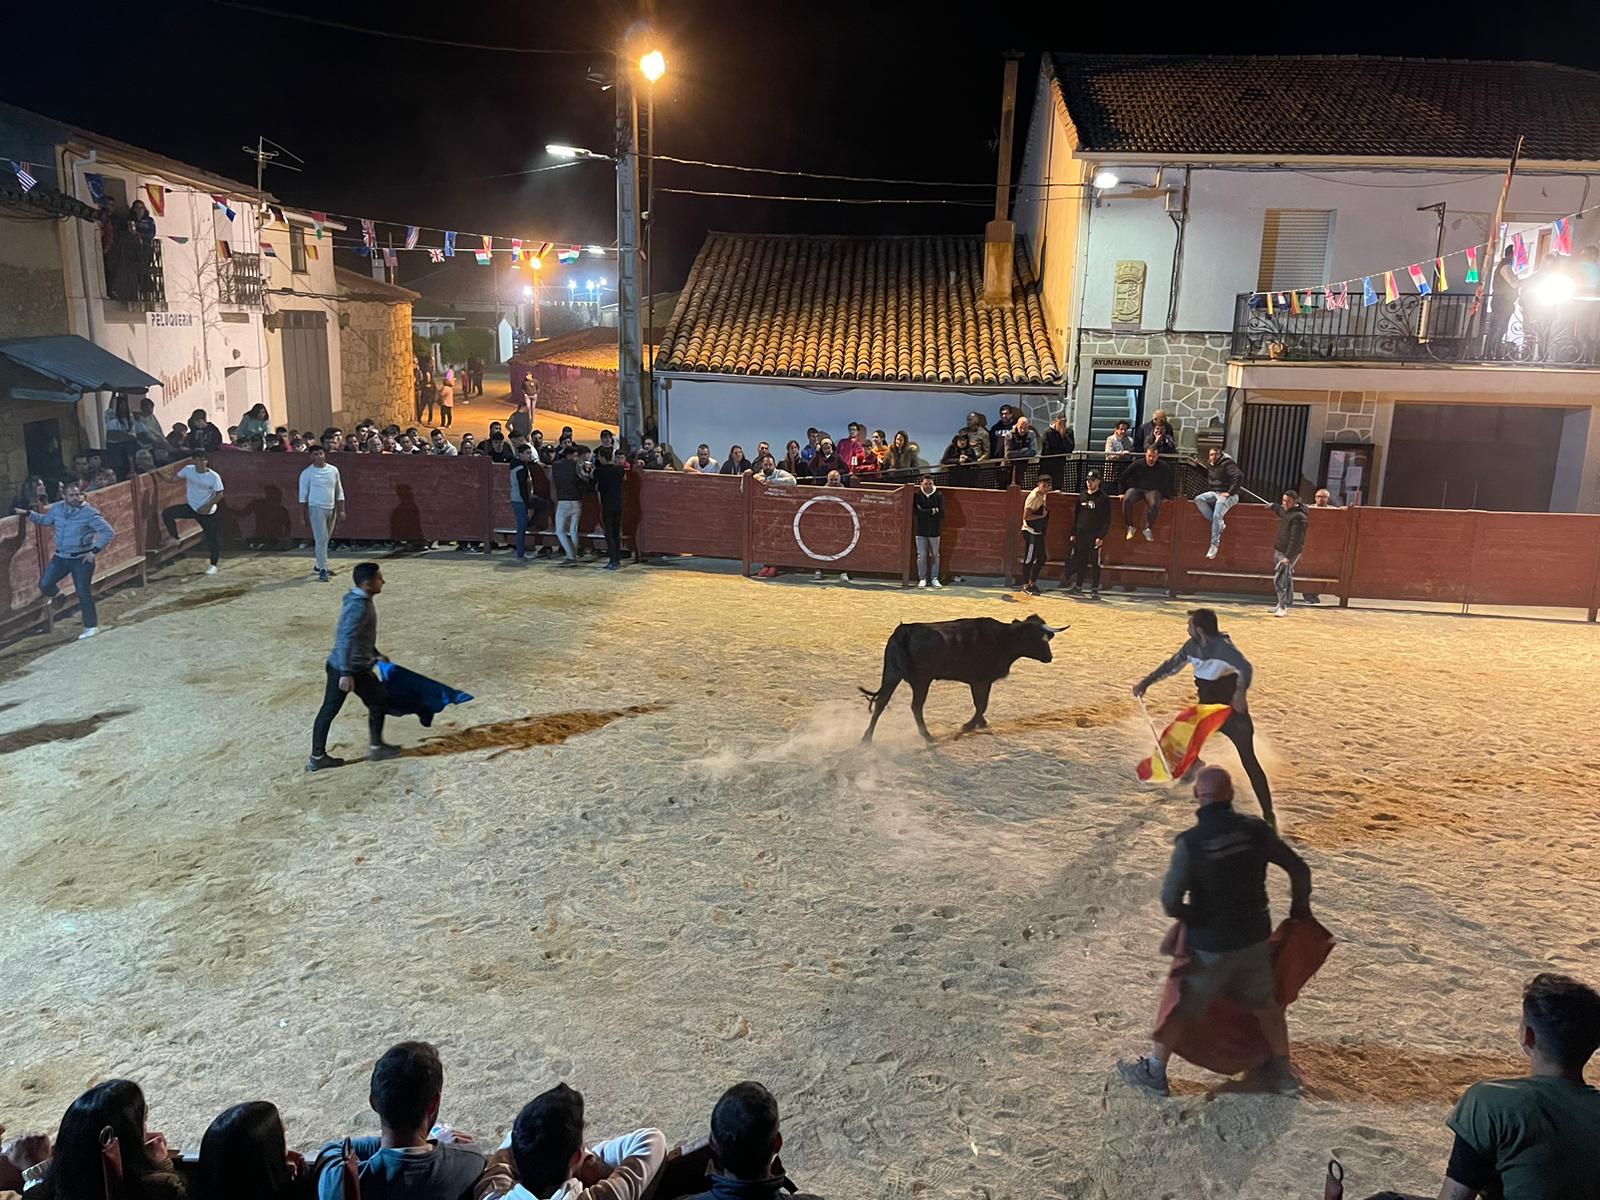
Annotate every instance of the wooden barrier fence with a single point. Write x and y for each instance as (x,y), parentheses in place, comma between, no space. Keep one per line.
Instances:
(1549,560)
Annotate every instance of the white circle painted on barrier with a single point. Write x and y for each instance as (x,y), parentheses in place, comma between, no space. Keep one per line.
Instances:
(855,528)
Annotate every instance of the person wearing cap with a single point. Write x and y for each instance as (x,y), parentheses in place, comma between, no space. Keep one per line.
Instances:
(1216,884)
(1090,524)
(204,488)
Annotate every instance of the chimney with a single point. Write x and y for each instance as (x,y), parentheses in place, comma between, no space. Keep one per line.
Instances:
(1000,235)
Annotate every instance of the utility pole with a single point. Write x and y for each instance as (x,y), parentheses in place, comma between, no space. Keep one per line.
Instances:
(630,355)
(1438,210)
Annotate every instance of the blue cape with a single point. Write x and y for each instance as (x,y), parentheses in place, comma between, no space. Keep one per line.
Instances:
(416,695)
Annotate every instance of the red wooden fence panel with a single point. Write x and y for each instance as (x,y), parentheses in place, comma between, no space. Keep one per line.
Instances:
(21,563)
(158,491)
(831,529)
(1412,554)
(1543,559)
(977,524)
(1139,563)
(690,514)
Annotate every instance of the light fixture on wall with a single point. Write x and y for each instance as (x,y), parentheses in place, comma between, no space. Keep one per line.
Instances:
(1105,178)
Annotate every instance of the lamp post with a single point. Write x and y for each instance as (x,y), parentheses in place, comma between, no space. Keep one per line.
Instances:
(652,66)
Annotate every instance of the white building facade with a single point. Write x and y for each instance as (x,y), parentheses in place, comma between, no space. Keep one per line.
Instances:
(1229,184)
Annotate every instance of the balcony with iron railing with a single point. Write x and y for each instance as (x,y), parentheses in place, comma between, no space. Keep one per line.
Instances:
(1450,327)
(133,274)
(239,280)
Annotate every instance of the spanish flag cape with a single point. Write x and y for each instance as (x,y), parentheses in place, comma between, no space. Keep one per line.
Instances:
(1181,741)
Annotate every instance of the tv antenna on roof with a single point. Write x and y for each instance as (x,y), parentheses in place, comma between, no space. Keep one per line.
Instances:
(265,157)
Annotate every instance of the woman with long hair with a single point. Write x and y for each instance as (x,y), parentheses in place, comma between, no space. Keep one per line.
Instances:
(244,1157)
(255,424)
(75,1171)
(903,454)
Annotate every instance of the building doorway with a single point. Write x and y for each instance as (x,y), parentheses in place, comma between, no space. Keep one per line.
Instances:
(1116,396)
(1273,447)
(308,390)
(47,457)
(1496,457)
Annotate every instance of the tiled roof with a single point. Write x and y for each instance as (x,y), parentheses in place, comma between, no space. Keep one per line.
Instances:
(355,285)
(901,309)
(1328,105)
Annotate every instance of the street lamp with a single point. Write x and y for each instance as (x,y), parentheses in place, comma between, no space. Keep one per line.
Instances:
(576,152)
(1105,178)
(653,65)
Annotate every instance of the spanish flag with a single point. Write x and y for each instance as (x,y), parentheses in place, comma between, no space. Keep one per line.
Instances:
(1181,742)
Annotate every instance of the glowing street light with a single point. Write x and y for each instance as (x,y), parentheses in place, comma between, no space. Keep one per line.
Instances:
(653,65)
(1105,178)
(572,152)
(535,264)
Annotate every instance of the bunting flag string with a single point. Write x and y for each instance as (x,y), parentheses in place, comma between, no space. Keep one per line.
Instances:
(449,244)
(266,248)
(1391,292)
(411,237)
(1438,269)
(222,202)
(369,234)
(1368,296)
(97,187)
(1561,241)
(435,255)
(516,249)
(318,220)
(1472,264)
(158,198)
(1519,248)
(1418,280)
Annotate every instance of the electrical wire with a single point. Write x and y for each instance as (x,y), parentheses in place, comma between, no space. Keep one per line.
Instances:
(390,33)
(826,199)
(719,166)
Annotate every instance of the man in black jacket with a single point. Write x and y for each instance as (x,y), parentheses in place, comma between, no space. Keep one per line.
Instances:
(1157,432)
(1090,524)
(1144,479)
(1286,550)
(1223,481)
(744,1146)
(1058,443)
(528,505)
(567,484)
(1217,886)
(609,477)
(928,503)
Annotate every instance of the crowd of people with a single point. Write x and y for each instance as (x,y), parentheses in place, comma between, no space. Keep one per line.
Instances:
(106,1147)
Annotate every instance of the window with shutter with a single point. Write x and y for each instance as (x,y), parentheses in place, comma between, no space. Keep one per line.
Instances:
(1294,248)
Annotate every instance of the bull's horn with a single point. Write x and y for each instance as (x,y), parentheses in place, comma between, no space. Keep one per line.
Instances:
(1054,629)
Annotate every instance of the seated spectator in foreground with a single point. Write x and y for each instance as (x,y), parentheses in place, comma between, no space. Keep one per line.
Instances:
(794,461)
(403,1161)
(1149,480)
(736,463)
(769,473)
(244,1156)
(745,1140)
(903,454)
(702,463)
(1534,1138)
(543,1157)
(75,1172)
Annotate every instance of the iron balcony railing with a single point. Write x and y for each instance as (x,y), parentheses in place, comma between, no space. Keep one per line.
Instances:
(133,272)
(1451,327)
(239,280)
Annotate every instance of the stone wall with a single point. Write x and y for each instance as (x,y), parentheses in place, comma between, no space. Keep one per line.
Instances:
(33,303)
(577,391)
(1352,417)
(375,346)
(1188,371)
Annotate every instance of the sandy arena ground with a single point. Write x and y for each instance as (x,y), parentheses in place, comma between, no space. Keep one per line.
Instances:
(651,859)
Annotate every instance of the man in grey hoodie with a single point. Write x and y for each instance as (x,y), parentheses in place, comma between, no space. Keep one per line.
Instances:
(352,667)
(1221,676)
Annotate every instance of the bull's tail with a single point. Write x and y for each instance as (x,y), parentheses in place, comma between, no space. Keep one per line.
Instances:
(894,670)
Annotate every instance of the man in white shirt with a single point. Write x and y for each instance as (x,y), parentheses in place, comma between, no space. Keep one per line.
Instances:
(204,488)
(322,492)
(702,463)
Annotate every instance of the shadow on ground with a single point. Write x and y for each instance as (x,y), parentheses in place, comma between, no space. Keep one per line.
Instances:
(57,731)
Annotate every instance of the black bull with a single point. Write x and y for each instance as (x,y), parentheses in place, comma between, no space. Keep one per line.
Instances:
(974,650)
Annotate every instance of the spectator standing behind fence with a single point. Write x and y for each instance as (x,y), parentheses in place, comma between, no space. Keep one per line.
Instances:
(1058,443)
(701,462)
(1149,480)
(322,492)
(768,472)
(961,452)
(736,463)
(1018,447)
(567,485)
(904,454)
(977,431)
(1120,440)
(1502,303)
(1223,482)
(1322,499)
(204,488)
(1286,549)
(202,435)
(826,460)
(1534,1138)
(1035,519)
(854,443)
(1091,522)
(795,462)
(255,424)
(609,478)
(999,430)
(928,512)
(81,534)
(1157,431)
(527,505)
(446,394)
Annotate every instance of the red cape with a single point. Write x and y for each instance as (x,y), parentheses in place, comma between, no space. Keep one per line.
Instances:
(1227,1038)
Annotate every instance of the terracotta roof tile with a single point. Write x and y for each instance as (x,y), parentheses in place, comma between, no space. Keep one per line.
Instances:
(1329,105)
(901,309)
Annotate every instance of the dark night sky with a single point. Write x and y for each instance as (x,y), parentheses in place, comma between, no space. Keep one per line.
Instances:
(391,129)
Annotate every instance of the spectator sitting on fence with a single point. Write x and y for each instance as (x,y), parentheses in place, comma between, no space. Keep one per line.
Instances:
(1534,1137)
(736,463)
(903,454)
(1158,431)
(1149,480)
(702,463)
(1223,483)
(977,431)
(768,472)
(245,1156)
(76,1167)
(544,1156)
(794,461)
(745,1141)
(404,1162)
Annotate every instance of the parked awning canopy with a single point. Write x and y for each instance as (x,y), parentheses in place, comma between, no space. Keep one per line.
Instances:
(63,368)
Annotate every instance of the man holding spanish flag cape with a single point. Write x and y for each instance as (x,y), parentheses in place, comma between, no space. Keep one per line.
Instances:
(1222,678)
